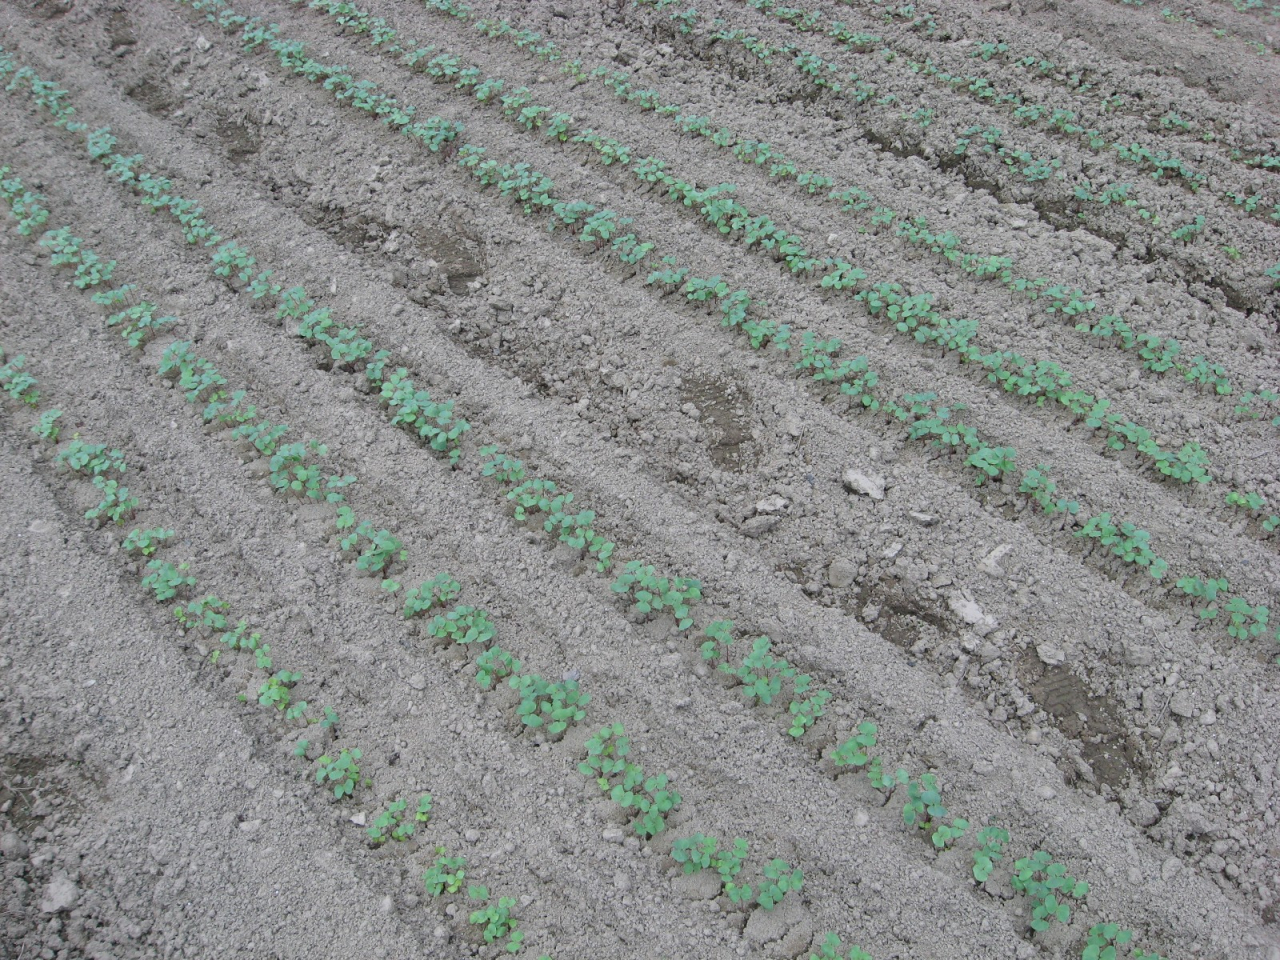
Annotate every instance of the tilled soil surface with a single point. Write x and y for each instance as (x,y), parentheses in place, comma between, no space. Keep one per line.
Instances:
(152,806)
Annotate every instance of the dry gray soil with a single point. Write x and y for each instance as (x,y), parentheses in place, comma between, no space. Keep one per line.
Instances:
(149,807)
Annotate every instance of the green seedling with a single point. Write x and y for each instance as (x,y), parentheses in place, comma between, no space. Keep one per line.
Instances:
(1103,940)
(550,705)
(495,665)
(653,594)
(991,841)
(780,878)
(275,692)
(463,625)
(208,613)
(391,823)
(145,542)
(856,751)
(924,809)
(116,504)
(435,592)
(506,469)
(165,580)
(495,919)
(382,550)
(882,781)
(17,383)
(446,875)
(92,458)
(1247,622)
(47,427)
(342,773)
(1047,884)
(694,853)
(1204,590)
(831,949)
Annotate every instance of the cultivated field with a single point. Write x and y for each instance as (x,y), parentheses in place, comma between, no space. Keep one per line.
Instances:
(639,480)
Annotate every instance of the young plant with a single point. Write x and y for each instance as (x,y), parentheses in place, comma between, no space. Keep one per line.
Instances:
(275,692)
(435,592)
(1204,590)
(391,823)
(991,841)
(831,947)
(552,705)
(856,751)
(17,383)
(207,613)
(446,875)
(495,918)
(495,665)
(780,878)
(341,772)
(165,580)
(1047,884)
(47,427)
(653,594)
(462,625)
(924,809)
(145,542)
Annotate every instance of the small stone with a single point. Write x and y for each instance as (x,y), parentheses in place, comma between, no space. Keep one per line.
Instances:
(1214,863)
(386,905)
(758,526)
(841,572)
(967,609)
(924,519)
(855,481)
(1046,792)
(1144,813)
(203,45)
(1209,717)
(472,836)
(1182,705)
(418,681)
(250,826)
(501,306)
(1170,868)
(12,846)
(1050,654)
(772,504)
(60,894)
(990,564)
(612,835)
(359,819)
(622,882)
(1138,656)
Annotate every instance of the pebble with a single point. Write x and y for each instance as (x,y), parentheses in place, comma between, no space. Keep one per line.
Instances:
(61,893)
(758,526)
(1050,654)
(472,836)
(1209,717)
(418,681)
(868,485)
(772,504)
(841,572)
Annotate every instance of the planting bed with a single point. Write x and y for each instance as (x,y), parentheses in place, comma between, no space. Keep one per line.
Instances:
(628,480)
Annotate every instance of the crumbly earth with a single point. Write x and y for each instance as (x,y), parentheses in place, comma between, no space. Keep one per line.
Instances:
(150,808)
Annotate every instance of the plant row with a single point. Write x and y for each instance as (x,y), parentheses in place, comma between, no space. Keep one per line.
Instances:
(926,422)
(658,795)
(292,472)
(979,142)
(547,705)
(1159,355)
(1084,82)
(910,314)
(1055,118)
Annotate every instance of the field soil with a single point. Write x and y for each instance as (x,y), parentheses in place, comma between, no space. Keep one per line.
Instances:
(150,807)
